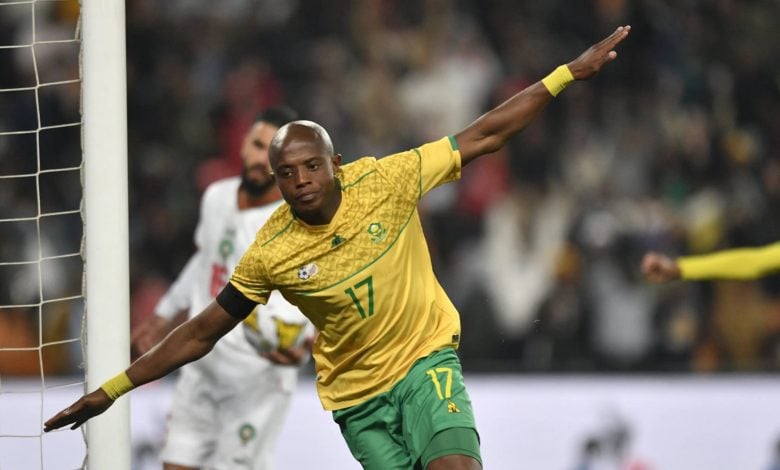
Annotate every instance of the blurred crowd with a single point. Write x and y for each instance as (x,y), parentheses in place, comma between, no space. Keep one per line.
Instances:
(40,188)
(675,147)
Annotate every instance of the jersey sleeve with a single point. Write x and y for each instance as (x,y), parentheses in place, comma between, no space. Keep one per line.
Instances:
(739,263)
(178,296)
(250,276)
(417,171)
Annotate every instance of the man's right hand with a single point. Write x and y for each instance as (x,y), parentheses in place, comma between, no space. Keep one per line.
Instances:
(659,268)
(84,408)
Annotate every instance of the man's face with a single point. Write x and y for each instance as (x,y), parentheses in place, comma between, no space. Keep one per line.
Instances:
(256,176)
(305,173)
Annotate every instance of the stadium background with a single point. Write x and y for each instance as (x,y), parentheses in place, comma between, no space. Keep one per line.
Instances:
(675,147)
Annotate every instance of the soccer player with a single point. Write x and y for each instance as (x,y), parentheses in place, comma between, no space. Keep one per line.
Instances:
(229,406)
(349,251)
(737,264)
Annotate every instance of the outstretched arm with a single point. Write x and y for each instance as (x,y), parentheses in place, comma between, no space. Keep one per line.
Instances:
(738,264)
(492,130)
(190,341)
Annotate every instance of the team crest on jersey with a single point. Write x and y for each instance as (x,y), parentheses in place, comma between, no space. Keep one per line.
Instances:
(246,433)
(226,248)
(376,232)
(308,271)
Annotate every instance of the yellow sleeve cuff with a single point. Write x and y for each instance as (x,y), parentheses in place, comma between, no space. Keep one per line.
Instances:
(738,263)
(558,80)
(689,269)
(118,386)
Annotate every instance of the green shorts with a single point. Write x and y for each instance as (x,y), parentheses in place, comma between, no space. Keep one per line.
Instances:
(394,430)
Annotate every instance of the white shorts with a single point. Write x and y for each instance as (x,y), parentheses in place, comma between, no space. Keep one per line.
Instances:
(227,411)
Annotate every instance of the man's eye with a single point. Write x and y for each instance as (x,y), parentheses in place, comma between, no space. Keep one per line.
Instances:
(314,166)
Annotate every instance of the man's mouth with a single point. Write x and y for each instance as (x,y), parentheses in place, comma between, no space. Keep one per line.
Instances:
(306,197)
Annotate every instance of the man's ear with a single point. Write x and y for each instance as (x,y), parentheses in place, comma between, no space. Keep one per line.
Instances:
(336,160)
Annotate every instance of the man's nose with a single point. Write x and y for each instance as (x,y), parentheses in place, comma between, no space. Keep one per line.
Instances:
(301,178)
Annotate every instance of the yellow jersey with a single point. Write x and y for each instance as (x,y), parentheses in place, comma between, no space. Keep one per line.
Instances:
(365,279)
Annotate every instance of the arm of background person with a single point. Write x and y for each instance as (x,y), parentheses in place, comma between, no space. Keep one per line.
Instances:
(177,301)
(291,356)
(491,131)
(737,264)
(170,306)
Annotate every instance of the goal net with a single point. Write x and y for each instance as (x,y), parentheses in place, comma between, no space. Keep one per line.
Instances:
(49,271)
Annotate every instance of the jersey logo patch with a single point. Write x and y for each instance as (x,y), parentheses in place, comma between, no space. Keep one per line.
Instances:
(308,271)
(226,248)
(376,232)
(246,433)
(452,407)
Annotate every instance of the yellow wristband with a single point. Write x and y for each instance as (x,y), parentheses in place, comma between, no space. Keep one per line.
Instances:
(118,386)
(558,80)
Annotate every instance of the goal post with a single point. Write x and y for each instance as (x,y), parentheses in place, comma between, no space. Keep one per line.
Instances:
(104,102)
(64,280)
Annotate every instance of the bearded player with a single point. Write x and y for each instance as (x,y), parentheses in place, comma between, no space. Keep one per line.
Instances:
(229,407)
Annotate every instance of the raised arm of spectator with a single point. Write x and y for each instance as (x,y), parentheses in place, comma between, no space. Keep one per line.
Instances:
(492,130)
(175,302)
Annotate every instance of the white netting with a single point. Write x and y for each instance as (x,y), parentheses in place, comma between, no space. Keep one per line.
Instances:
(41,268)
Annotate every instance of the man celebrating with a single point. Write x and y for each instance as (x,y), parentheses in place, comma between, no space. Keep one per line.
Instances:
(349,251)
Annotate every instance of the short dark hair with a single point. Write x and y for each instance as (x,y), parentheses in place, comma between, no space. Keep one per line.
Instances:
(277,115)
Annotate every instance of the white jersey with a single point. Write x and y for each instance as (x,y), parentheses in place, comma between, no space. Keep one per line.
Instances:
(223,234)
(252,394)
